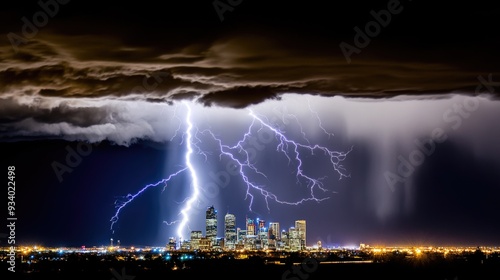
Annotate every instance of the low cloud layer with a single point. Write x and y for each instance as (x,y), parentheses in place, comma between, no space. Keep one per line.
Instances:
(234,72)
(61,87)
(81,76)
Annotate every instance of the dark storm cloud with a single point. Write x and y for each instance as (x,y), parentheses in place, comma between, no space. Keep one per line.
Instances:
(82,117)
(237,71)
(98,50)
(247,95)
(114,51)
(105,71)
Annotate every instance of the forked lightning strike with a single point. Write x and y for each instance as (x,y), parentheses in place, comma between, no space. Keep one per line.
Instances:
(192,172)
(119,205)
(284,144)
(293,151)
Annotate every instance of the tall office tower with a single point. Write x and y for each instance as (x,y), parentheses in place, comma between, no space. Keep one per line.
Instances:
(300,225)
(284,239)
(262,223)
(211,225)
(261,227)
(262,237)
(250,227)
(294,239)
(195,239)
(172,244)
(229,231)
(241,235)
(274,231)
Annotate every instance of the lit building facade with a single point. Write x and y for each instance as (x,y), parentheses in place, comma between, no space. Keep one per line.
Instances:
(274,231)
(172,244)
(241,235)
(283,243)
(230,237)
(211,224)
(196,235)
(255,235)
(300,226)
(294,239)
(250,227)
(261,223)
(262,237)
(273,235)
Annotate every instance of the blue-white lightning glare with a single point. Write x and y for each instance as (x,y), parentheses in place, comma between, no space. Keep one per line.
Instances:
(192,172)
(292,150)
(248,168)
(119,205)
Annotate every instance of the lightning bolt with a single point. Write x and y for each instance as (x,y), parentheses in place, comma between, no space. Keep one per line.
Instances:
(320,124)
(188,139)
(294,151)
(284,143)
(119,205)
(192,172)
(169,223)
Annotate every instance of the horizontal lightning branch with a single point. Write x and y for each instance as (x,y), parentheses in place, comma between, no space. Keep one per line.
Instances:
(119,205)
(293,150)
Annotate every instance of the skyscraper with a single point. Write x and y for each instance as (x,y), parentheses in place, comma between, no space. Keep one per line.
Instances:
(274,231)
(262,223)
(211,224)
(229,231)
(262,230)
(241,234)
(294,243)
(300,225)
(250,227)
(195,239)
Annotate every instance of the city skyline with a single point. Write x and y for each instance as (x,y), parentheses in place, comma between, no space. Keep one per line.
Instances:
(254,235)
(376,123)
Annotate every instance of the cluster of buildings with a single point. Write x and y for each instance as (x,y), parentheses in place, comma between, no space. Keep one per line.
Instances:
(255,236)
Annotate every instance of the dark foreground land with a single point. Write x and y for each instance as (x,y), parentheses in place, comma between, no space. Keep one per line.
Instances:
(247,269)
(258,268)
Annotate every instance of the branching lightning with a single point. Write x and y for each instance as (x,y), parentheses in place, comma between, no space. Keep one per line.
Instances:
(249,172)
(187,137)
(320,124)
(192,172)
(292,150)
(119,205)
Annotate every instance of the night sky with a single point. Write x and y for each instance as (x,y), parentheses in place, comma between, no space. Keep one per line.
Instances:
(385,139)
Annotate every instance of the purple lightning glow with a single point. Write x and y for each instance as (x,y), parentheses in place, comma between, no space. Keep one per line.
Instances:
(119,205)
(293,150)
(192,172)
(189,166)
(284,144)
(188,138)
